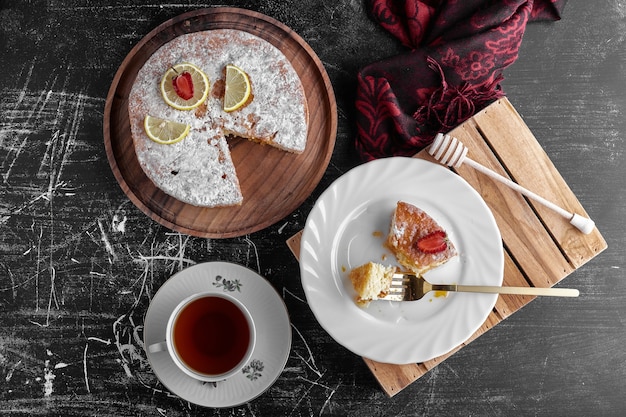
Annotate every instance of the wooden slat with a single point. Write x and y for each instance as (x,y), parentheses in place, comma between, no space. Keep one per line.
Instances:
(531,167)
(509,304)
(528,241)
(294,244)
(394,378)
(540,247)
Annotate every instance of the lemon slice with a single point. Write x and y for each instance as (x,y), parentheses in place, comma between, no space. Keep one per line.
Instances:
(237,90)
(165,132)
(200,87)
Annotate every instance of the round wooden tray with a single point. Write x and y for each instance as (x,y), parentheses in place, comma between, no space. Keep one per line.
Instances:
(274,183)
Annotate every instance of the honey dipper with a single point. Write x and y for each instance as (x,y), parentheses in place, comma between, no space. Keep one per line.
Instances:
(451,152)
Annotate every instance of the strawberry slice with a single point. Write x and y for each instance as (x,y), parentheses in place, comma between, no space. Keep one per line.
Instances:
(434,242)
(183,85)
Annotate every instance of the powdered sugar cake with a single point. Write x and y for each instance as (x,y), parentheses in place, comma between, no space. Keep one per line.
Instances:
(409,224)
(199,170)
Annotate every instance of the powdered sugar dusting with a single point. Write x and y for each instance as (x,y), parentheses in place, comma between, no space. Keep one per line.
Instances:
(199,170)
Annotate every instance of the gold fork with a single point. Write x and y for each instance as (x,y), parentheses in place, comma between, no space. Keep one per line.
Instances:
(409,287)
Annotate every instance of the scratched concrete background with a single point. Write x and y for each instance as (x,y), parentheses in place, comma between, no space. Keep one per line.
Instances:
(79,263)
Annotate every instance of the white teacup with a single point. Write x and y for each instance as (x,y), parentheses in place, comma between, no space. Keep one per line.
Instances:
(209,336)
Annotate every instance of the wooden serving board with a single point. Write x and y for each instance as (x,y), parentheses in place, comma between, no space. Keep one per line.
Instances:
(540,247)
(273,182)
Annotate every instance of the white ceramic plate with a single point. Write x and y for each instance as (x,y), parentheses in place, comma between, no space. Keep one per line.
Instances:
(270,318)
(347,227)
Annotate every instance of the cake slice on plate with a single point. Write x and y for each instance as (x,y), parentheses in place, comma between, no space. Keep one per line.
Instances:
(371,281)
(418,242)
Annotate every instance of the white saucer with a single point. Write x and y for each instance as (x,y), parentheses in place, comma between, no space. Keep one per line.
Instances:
(270,317)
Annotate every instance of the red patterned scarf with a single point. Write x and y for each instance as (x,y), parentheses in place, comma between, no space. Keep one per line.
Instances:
(458,49)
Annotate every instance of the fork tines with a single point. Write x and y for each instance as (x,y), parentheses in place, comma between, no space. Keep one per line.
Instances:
(397,289)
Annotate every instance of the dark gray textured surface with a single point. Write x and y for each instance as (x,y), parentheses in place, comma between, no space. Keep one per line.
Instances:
(79,263)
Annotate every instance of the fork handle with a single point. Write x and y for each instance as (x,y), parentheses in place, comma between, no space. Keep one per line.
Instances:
(555,292)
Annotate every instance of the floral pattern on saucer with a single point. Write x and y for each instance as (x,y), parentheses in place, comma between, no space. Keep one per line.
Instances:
(253,370)
(227,284)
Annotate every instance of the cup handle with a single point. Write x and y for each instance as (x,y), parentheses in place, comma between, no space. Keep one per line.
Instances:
(157,347)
